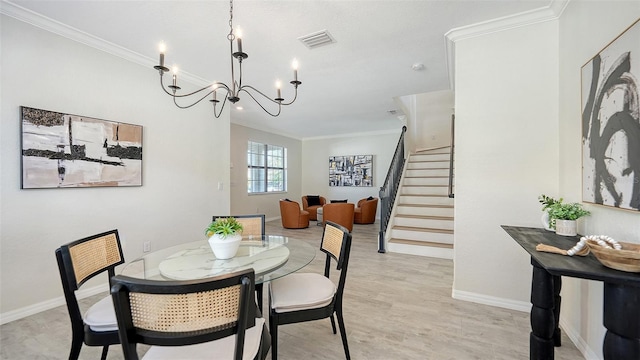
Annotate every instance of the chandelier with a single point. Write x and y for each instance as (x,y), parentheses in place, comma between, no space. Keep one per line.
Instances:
(231,93)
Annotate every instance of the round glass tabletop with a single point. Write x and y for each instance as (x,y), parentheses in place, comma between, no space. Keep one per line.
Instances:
(272,257)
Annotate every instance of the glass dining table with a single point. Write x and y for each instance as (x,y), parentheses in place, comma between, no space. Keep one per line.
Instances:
(271,257)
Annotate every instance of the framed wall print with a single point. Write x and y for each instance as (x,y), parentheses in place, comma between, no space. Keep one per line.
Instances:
(351,170)
(611,123)
(69,151)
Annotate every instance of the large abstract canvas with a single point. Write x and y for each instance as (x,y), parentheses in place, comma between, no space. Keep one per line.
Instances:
(65,151)
(353,170)
(611,123)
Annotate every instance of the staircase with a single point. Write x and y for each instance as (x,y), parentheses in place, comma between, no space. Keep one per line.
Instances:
(422,223)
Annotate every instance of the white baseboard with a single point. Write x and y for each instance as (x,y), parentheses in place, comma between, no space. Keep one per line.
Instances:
(491,300)
(17,314)
(578,341)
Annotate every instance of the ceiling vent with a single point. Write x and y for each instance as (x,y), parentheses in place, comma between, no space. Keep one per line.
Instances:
(317,39)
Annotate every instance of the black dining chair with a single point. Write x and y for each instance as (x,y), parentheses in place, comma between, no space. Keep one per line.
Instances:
(78,262)
(303,297)
(252,225)
(216,316)
(252,229)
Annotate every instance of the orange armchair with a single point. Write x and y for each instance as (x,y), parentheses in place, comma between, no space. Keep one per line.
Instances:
(339,213)
(313,208)
(365,213)
(291,215)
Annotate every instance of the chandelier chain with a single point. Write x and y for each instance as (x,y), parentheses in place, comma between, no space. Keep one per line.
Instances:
(231,36)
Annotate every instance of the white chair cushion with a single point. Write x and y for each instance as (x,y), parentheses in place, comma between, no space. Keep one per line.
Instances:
(219,349)
(301,291)
(101,316)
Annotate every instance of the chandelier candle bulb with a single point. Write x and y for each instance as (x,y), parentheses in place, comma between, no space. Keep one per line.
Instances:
(239,37)
(295,69)
(163,48)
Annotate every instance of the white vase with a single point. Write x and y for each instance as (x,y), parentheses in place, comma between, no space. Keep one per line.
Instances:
(566,227)
(225,247)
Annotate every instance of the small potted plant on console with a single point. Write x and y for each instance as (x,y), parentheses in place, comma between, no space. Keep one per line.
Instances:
(563,216)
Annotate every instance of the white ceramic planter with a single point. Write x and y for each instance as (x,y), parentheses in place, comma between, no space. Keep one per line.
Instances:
(545,221)
(225,247)
(566,227)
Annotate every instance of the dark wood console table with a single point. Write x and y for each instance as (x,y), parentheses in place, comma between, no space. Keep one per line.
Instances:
(621,296)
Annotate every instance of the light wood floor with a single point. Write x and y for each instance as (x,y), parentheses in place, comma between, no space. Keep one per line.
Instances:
(396,307)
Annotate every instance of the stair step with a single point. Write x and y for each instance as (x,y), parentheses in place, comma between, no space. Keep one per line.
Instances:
(424,221)
(445,156)
(440,218)
(420,243)
(440,190)
(424,210)
(420,248)
(420,229)
(427,150)
(427,172)
(425,199)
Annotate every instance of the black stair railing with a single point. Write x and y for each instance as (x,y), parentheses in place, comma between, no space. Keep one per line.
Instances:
(390,188)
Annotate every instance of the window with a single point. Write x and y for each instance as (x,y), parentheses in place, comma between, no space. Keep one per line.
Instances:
(267,168)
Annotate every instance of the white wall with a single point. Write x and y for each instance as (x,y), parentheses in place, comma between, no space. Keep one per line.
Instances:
(586,27)
(241,202)
(181,163)
(315,164)
(433,115)
(506,155)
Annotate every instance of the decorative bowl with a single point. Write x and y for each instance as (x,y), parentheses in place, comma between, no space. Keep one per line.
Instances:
(627,259)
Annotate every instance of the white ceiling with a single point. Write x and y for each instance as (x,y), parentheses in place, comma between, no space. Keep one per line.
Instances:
(347,87)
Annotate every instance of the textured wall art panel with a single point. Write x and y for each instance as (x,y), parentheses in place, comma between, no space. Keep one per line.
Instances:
(611,123)
(351,170)
(63,150)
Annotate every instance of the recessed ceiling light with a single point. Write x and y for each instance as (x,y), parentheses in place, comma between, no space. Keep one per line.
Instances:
(239,108)
(417,66)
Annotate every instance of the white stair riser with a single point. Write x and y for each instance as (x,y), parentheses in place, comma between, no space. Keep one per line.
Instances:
(424,223)
(425,200)
(425,190)
(427,164)
(424,211)
(422,236)
(430,157)
(435,252)
(428,172)
(444,180)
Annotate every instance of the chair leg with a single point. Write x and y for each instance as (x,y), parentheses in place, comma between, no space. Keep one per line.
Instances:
(273,330)
(105,350)
(343,334)
(333,324)
(76,345)
(259,295)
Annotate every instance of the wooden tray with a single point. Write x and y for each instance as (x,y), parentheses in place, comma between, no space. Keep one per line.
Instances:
(627,259)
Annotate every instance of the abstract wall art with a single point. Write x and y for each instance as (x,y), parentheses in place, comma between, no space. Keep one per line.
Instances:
(68,151)
(611,123)
(352,170)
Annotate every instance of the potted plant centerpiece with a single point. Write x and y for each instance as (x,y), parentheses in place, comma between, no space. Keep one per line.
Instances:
(562,216)
(224,235)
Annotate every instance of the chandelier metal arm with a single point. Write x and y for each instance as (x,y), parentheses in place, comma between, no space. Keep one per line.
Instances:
(258,102)
(175,95)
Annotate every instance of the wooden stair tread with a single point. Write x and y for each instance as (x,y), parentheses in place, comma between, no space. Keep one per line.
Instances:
(427,177)
(423,229)
(427,205)
(426,195)
(425,217)
(435,185)
(421,243)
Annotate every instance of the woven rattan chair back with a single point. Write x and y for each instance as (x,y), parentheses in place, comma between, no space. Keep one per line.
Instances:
(334,242)
(252,225)
(78,262)
(175,313)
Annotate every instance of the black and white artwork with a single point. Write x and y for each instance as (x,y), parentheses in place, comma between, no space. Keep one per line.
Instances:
(69,151)
(351,170)
(611,123)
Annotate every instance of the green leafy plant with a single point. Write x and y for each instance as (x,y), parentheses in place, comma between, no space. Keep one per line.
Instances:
(558,210)
(223,227)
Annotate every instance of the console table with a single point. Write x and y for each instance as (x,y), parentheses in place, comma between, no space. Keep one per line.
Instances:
(621,315)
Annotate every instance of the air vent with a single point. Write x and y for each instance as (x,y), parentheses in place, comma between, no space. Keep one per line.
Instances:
(317,39)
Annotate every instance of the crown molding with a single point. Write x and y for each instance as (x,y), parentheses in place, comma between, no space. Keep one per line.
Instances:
(526,18)
(25,15)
